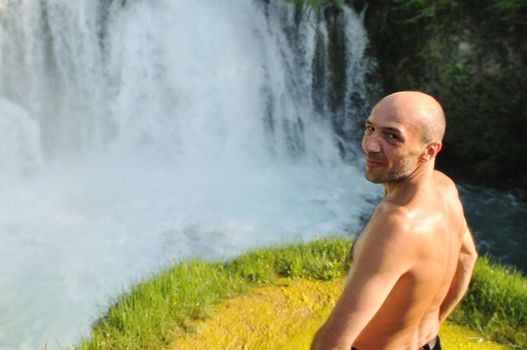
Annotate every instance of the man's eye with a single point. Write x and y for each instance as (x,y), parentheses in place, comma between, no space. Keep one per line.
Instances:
(391,137)
(368,129)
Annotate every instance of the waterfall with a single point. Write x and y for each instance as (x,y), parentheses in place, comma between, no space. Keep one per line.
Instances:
(137,133)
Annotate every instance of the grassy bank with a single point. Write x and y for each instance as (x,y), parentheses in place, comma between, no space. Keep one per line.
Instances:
(164,307)
(285,316)
(496,304)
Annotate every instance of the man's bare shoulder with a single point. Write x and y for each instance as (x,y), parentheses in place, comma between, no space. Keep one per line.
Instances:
(388,242)
(407,224)
(391,220)
(445,182)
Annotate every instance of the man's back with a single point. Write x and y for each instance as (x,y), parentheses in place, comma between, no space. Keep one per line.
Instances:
(413,261)
(409,316)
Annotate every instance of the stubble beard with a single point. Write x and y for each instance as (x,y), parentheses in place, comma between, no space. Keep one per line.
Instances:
(399,172)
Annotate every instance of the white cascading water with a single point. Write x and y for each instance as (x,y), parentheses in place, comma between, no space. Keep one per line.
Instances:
(137,133)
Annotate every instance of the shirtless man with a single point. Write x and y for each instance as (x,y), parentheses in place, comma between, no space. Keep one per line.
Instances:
(413,260)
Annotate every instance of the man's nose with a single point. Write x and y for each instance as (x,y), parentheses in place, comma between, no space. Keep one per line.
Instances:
(371,144)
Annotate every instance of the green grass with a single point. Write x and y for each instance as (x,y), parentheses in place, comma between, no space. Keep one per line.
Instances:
(496,304)
(154,312)
(322,259)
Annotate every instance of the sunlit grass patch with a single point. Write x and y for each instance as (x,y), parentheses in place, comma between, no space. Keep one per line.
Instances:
(285,316)
(162,308)
(155,311)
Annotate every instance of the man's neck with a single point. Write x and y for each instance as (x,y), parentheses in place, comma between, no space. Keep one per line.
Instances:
(402,190)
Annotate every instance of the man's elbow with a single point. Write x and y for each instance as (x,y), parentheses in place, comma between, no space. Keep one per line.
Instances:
(468,261)
(469,255)
(324,341)
(319,345)
(315,343)
(319,342)
(469,251)
(473,256)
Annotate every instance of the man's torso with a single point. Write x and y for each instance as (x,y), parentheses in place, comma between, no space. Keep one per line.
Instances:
(409,316)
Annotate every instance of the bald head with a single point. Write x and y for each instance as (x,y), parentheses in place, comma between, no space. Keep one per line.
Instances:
(418,109)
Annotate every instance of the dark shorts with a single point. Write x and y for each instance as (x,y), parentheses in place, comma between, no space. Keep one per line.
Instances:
(433,344)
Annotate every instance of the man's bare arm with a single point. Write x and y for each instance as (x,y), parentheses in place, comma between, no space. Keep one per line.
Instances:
(461,280)
(376,269)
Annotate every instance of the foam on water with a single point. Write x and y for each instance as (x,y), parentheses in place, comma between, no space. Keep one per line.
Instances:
(72,238)
(138,133)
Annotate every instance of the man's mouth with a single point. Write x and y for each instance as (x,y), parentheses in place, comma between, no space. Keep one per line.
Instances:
(374,163)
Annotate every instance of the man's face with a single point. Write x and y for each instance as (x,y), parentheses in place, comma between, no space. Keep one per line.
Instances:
(391,146)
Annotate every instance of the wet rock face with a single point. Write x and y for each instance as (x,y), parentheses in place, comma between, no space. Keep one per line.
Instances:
(472,58)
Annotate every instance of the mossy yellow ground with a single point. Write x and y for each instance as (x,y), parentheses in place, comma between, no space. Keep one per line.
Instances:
(285,315)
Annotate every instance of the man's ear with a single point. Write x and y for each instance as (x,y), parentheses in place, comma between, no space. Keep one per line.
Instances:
(430,151)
